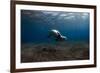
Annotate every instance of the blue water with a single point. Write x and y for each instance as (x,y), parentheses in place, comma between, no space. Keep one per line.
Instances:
(35,25)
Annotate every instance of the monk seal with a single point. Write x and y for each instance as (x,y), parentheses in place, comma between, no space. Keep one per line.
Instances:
(56,35)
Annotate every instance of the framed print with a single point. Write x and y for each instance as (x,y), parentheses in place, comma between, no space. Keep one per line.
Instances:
(51,36)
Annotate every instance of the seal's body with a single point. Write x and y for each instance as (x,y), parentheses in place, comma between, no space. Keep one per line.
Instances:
(56,35)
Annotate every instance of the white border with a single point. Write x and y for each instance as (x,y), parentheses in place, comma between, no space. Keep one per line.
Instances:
(56,63)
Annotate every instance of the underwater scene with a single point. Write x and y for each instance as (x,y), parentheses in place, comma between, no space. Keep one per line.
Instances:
(54,36)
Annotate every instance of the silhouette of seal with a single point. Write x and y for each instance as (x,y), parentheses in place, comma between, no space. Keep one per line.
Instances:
(56,35)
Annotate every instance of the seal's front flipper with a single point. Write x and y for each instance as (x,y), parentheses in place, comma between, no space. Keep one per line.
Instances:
(48,36)
(57,39)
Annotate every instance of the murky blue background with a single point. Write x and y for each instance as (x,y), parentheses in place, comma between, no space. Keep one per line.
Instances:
(35,25)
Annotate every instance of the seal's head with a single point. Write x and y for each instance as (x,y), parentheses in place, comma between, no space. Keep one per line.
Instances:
(56,35)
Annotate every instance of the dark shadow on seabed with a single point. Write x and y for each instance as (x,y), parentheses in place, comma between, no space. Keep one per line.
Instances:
(61,51)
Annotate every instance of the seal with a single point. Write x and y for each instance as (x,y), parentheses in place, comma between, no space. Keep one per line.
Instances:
(56,35)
